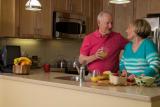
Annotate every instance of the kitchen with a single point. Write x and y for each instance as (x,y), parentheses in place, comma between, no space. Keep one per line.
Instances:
(22,27)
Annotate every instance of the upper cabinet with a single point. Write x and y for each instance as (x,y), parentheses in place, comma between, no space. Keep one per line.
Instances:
(97,6)
(81,7)
(76,6)
(87,13)
(123,15)
(108,6)
(15,21)
(141,8)
(9,18)
(144,7)
(60,5)
(73,6)
(154,6)
(36,24)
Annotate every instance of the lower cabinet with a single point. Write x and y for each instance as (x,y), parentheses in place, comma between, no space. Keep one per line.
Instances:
(37,93)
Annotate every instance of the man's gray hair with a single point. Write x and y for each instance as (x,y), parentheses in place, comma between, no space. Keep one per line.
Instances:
(100,15)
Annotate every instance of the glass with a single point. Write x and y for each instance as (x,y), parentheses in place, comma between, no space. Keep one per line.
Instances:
(94,75)
(46,67)
(103,52)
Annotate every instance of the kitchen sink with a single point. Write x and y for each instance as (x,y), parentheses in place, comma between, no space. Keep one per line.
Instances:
(69,78)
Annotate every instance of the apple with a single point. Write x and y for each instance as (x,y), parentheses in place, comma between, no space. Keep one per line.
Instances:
(130,80)
(116,74)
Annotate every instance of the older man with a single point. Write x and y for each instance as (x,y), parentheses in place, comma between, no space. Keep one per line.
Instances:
(101,49)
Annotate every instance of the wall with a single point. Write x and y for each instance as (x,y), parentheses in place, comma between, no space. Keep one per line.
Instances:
(47,50)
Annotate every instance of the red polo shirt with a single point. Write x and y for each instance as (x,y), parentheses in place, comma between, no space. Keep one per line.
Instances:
(112,43)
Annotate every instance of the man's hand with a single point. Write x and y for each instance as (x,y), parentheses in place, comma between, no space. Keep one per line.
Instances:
(101,54)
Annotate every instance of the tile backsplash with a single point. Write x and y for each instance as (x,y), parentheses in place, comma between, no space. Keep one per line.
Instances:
(46,50)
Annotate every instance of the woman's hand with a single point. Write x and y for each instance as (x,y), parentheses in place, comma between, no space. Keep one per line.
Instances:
(142,75)
(124,73)
(131,78)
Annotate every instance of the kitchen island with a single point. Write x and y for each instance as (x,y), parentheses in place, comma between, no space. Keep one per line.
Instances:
(39,89)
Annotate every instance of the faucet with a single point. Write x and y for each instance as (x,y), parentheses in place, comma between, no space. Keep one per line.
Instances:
(82,73)
(80,70)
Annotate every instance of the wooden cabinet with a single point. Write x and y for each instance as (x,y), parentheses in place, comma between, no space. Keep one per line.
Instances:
(96,7)
(15,21)
(141,8)
(9,18)
(154,6)
(73,6)
(60,5)
(108,6)
(144,7)
(36,24)
(81,7)
(87,13)
(76,6)
(123,15)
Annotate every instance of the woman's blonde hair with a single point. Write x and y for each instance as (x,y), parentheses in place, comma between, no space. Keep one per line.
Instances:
(142,28)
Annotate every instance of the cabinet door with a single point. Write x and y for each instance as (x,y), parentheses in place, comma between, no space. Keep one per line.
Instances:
(44,20)
(154,6)
(123,15)
(87,13)
(141,8)
(76,6)
(108,6)
(144,7)
(36,24)
(27,21)
(97,7)
(73,6)
(8,18)
(60,5)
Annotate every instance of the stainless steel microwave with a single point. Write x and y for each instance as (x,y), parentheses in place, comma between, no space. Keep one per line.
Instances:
(67,25)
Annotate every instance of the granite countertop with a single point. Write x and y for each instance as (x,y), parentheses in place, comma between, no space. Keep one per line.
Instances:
(37,76)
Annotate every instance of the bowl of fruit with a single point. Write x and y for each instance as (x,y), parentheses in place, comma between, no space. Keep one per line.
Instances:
(144,80)
(22,65)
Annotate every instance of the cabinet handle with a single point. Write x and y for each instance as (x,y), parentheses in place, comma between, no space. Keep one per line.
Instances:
(35,30)
(18,31)
(70,4)
(70,7)
(38,31)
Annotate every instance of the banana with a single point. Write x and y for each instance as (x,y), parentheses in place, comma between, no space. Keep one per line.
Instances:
(22,61)
(16,61)
(25,59)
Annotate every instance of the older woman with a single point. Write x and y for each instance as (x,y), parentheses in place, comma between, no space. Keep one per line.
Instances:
(140,56)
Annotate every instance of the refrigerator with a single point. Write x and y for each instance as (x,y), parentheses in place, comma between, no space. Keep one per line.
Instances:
(156,38)
(154,21)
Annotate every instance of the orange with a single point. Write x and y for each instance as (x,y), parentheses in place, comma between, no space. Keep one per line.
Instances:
(94,79)
(23,63)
